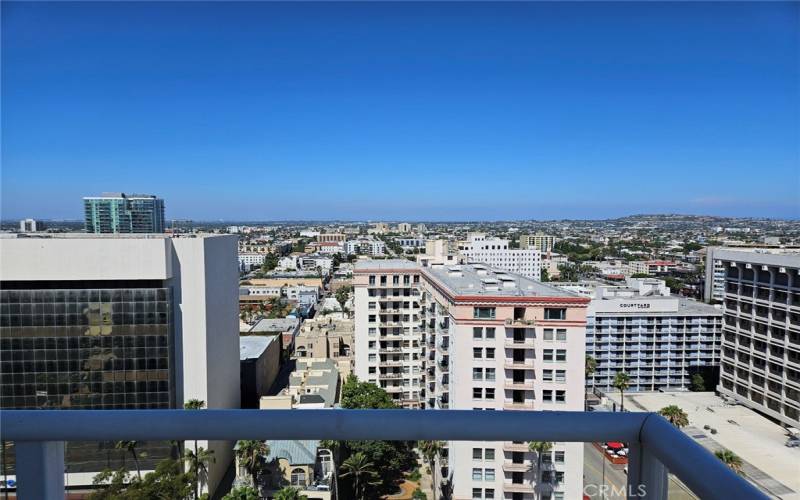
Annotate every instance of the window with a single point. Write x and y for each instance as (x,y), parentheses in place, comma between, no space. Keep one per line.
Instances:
(559,456)
(477,393)
(547,375)
(372,279)
(477,374)
(477,352)
(561,335)
(383,280)
(372,305)
(546,476)
(490,353)
(372,318)
(548,334)
(558,495)
(488,454)
(555,313)
(559,476)
(372,344)
(490,374)
(489,393)
(298,477)
(371,370)
(483,312)
(371,358)
(373,331)
(547,355)
(561,396)
(547,457)
(395,280)
(476,493)
(561,355)
(547,395)
(477,333)
(561,375)
(489,493)
(488,474)
(477,453)
(477,474)
(490,333)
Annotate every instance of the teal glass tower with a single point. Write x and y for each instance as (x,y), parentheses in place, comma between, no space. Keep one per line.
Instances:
(121,213)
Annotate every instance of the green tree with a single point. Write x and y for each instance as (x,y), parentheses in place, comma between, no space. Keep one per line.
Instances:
(289,493)
(430,450)
(590,365)
(730,459)
(167,481)
(130,447)
(198,463)
(242,493)
(251,453)
(342,294)
(362,471)
(418,494)
(698,383)
(675,285)
(364,395)
(545,275)
(621,382)
(640,275)
(195,404)
(675,415)
(540,448)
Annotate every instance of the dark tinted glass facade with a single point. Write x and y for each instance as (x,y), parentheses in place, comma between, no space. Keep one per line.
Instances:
(87,348)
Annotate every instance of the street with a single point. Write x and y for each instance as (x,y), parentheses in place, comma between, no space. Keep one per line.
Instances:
(616,479)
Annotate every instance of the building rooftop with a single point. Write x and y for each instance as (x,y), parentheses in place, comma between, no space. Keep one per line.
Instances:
(295,452)
(767,256)
(267,325)
(385,264)
(252,347)
(481,279)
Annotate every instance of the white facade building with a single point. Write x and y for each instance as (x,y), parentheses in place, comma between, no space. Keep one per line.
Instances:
(496,253)
(659,340)
(196,279)
(249,260)
(483,339)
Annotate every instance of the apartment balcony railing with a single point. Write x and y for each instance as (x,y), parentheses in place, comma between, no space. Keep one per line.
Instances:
(520,323)
(518,365)
(519,344)
(655,446)
(509,487)
(516,467)
(522,386)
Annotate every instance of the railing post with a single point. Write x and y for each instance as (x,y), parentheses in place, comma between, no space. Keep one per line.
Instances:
(40,469)
(647,476)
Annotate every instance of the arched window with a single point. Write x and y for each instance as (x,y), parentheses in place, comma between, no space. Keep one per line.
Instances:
(298,477)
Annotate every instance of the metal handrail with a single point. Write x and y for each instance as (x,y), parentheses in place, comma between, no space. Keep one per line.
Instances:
(655,445)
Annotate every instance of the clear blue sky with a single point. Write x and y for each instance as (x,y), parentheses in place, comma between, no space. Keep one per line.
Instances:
(403,111)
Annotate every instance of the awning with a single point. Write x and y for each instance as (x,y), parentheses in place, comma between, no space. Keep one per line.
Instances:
(615,445)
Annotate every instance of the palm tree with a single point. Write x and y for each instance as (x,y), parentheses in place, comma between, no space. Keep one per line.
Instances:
(251,453)
(289,493)
(198,463)
(730,459)
(675,415)
(622,381)
(358,466)
(130,447)
(430,450)
(590,367)
(195,404)
(540,448)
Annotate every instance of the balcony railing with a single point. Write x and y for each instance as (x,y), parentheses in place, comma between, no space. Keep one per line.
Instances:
(655,446)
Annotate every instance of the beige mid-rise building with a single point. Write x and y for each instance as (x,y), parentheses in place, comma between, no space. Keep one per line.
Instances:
(542,242)
(325,337)
(482,339)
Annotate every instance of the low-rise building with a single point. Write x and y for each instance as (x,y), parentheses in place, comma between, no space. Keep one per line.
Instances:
(651,267)
(299,464)
(249,260)
(327,338)
(287,328)
(259,363)
(331,238)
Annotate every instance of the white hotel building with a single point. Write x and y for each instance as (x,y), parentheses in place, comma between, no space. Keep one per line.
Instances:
(482,339)
(496,253)
(661,341)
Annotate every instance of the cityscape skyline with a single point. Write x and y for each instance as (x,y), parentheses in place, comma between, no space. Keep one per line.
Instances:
(524,110)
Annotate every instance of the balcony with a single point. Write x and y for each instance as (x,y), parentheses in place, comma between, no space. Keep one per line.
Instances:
(519,365)
(656,447)
(512,446)
(522,386)
(518,488)
(520,323)
(516,467)
(527,405)
(519,344)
